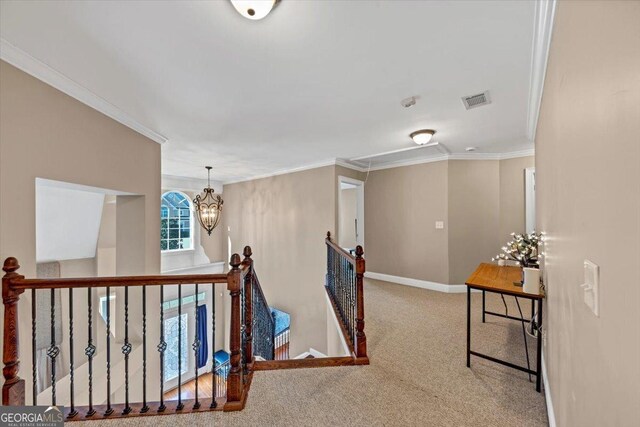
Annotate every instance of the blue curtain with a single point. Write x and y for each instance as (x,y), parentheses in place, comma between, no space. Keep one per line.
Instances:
(201,327)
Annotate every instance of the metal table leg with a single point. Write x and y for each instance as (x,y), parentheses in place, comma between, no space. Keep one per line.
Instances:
(483,305)
(539,360)
(469,327)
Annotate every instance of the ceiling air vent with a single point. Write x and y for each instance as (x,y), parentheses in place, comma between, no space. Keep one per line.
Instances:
(478,100)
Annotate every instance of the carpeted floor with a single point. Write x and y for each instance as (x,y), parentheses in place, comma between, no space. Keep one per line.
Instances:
(417,377)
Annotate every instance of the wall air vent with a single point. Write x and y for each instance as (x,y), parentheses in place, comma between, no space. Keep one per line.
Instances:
(478,100)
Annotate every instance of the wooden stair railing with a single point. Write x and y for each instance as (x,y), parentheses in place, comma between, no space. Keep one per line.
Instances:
(259,325)
(13,390)
(345,288)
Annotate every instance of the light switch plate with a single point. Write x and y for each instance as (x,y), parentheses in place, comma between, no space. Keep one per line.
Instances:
(591,286)
(439,225)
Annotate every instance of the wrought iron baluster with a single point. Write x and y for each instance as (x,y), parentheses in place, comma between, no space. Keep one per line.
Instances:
(109,410)
(72,408)
(53,350)
(214,378)
(162,347)
(34,372)
(144,408)
(126,350)
(180,405)
(196,348)
(90,351)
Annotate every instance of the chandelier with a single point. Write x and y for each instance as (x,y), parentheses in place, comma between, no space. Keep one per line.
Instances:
(208,206)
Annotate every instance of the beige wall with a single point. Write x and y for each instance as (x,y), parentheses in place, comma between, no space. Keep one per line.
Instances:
(480,203)
(45,133)
(285,219)
(401,207)
(474,204)
(588,195)
(213,245)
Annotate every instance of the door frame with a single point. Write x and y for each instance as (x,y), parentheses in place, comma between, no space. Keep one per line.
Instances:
(530,199)
(359,206)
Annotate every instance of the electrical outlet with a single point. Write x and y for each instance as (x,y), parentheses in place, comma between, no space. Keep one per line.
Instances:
(591,286)
(439,225)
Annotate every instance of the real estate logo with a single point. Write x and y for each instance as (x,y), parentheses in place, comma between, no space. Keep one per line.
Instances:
(31,416)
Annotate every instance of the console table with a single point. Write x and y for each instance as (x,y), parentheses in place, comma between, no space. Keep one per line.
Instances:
(505,281)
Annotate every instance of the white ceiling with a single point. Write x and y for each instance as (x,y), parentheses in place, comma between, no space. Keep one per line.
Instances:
(313,81)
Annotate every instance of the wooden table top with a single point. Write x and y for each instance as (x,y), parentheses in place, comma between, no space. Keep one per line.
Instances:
(492,277)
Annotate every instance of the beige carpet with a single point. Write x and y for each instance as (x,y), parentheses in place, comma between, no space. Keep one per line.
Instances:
(417,376)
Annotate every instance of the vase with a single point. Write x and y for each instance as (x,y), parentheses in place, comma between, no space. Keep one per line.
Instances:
(531,282)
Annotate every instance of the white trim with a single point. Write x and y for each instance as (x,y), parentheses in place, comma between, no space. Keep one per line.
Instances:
(417,283)
(312,352)
(542,30)
(316,353)
(343,341)
(44,182)
(183,183)
(547,394)
(456,156)
(346,164)
(286,171)
(530,199)
(399,150)
(38,69)
(359,185)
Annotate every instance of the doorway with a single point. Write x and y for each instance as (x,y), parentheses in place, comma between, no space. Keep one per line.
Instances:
(530,199)
(350,213)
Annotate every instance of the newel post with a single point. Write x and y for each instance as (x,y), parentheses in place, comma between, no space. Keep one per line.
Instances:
(234,379)
(248,307)
(13,387)
(361,338)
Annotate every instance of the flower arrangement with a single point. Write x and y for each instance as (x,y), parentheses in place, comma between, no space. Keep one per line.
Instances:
(523,249)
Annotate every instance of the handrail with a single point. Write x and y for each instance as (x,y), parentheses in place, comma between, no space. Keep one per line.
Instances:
(115,281)
(256,312)
(13,389)
(338,248)
(345,288)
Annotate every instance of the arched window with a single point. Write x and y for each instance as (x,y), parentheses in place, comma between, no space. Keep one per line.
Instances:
(175,222)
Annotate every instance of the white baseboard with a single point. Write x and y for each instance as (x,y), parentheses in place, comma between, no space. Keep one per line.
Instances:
(547,394)
(312,352)
(417,283)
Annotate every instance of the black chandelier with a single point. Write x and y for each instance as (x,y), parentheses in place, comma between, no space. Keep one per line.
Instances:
(208,206)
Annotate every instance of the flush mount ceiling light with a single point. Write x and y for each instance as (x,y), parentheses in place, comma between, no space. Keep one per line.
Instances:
(423,136)
(254,9)
(208,206)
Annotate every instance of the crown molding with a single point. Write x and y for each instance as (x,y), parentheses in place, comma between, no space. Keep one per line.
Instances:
(183,183)
(457,156)
(542,30)
(38,69)
(322,164)
(344,163)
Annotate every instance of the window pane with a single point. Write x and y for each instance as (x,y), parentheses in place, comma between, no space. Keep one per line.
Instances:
(175,225)
(164,245)
(171,328)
